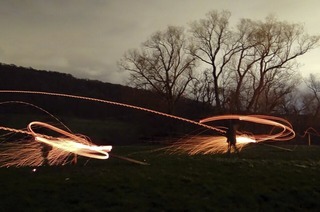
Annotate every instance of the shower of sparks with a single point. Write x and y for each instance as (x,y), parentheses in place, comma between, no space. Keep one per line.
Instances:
(27,152)
(281,130)
(207,144)
(69,144)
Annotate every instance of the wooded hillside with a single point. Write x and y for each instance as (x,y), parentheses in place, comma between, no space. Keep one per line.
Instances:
(144,125)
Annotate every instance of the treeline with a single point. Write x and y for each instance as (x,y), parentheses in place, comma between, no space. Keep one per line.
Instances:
(251,67)
(138,125)
(13,77)
(248,68)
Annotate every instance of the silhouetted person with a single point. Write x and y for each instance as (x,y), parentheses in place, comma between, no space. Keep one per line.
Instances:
(231,135)
(45,149)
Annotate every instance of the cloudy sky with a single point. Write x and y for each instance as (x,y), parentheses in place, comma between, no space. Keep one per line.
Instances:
(88,37)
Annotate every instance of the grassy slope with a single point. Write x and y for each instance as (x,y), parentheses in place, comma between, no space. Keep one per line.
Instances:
(263,178)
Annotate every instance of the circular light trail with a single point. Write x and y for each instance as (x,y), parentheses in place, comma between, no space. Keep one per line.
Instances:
(281,131)
(286,132)
(70,142)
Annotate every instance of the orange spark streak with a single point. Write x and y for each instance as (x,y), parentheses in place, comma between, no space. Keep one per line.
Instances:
(196,144)
(208,144)
(28,152)
(72,143)
(285,134)
(218,144)
(112,103)
(37,107)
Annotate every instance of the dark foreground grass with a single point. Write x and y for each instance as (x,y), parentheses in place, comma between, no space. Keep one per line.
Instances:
(263,178)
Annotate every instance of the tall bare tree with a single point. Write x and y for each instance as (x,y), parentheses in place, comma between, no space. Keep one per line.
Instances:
(202,89)
(312,99)
(210,44)
(278,87)
(236,77)
(278,46)
(162,64)
(252,65)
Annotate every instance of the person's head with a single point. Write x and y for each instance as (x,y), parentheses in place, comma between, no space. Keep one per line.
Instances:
(236,125)
(233,124)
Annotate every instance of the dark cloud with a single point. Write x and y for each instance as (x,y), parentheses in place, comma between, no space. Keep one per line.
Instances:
(87,38)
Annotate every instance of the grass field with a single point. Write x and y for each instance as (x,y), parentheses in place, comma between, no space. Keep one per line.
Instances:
(263,178)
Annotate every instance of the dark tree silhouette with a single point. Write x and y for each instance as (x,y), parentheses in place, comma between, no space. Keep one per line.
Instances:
(254,66)
(162,65)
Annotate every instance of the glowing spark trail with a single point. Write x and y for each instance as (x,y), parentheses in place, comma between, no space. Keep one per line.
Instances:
(38,108)
(70,143)
(27,153)
(218,144)
(207,144)
(112,103)
(286,132)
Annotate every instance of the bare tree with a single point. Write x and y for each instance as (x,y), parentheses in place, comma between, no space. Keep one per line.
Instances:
(241,63)
(210,44)
(162,65)
(312,99)
(254,66)
(202,88)
(278,87)
(278,45)
(291,104)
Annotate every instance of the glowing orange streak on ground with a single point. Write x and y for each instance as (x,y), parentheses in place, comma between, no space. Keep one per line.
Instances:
(72,143)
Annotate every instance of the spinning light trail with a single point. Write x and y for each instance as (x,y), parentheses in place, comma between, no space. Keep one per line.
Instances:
(70,143)
(286,132)
(28,153)
(281,131)
(67,143)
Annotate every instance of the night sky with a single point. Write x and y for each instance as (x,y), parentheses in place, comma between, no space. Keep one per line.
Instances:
(87,38)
